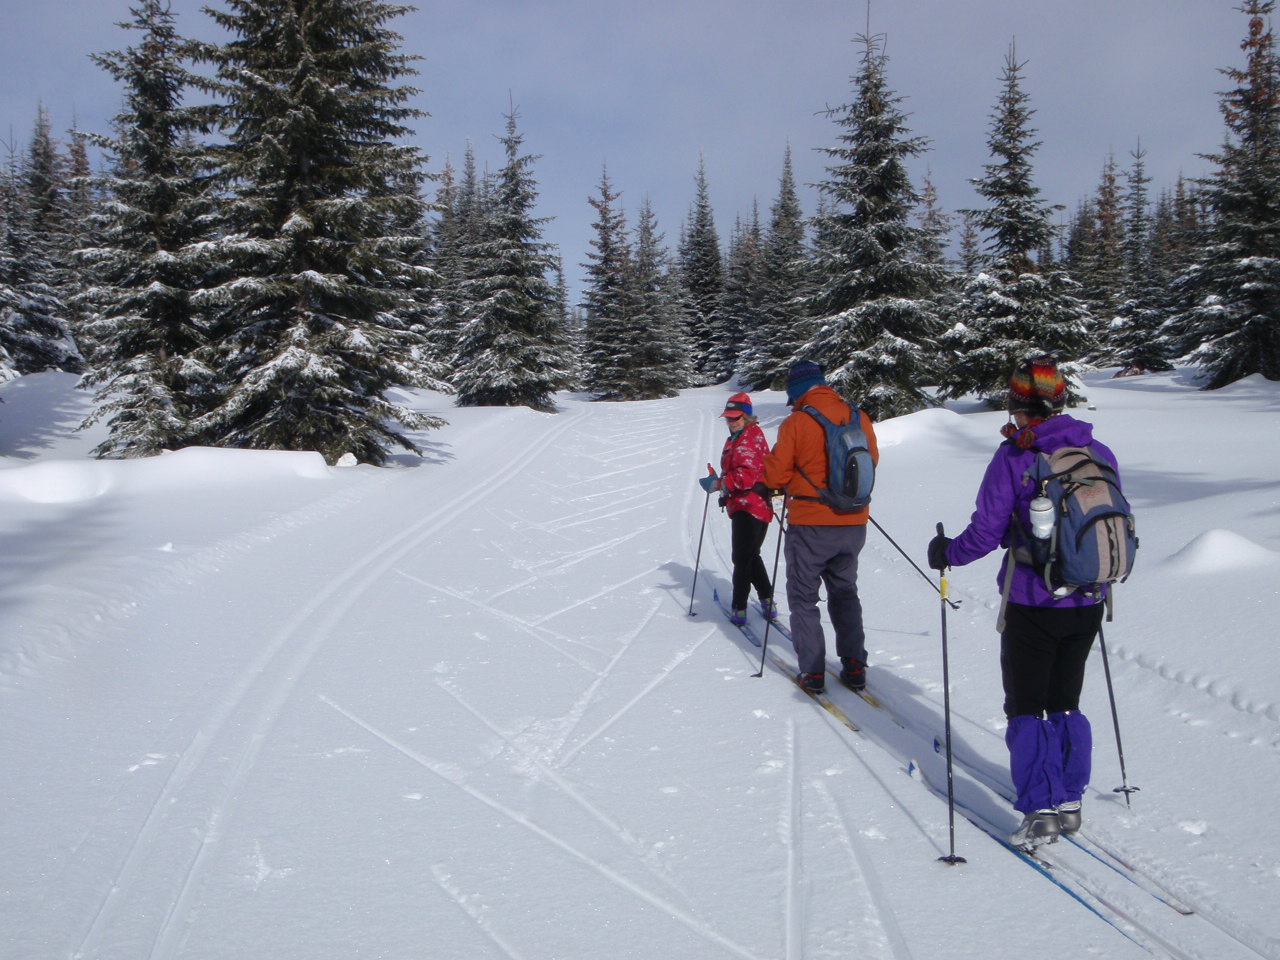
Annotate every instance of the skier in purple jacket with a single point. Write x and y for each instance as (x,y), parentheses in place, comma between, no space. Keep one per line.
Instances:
(1044,638)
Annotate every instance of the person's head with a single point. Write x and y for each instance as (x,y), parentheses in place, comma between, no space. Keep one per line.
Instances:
(1037,389)
(738,412)
(803,377)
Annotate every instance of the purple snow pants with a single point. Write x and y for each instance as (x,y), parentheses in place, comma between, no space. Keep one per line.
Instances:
(1042,658)
(1049,759)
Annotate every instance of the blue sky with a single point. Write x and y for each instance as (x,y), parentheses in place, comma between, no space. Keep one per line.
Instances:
(650,87)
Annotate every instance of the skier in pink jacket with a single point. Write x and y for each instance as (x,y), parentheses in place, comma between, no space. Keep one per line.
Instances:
(741,468)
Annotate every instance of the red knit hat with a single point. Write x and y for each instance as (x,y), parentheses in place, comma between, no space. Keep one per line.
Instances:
(1037,387)
(737,405)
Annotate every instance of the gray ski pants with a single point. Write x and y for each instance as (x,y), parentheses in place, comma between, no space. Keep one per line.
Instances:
(824,555)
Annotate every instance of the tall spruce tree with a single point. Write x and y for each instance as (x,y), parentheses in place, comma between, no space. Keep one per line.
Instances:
(308,334)
(1015,306)
(661,358)
(446,237)
(702,273)
(1103,274)
(873,299)
(1136,342)
(608,300)
(513,349)
(743,302)
(772,343)
(150,388)
(33,335)
(1235,286)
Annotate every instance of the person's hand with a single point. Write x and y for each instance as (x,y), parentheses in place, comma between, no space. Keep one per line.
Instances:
(938,552)
(709,483)
(767,492)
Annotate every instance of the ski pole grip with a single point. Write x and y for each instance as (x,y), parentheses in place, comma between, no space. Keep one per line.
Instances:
(942,576)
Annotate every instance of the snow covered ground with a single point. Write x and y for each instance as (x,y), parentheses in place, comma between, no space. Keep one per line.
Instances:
(255,706)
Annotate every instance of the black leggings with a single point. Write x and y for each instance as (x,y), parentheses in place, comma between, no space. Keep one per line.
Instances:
(748,568)
(1042,656)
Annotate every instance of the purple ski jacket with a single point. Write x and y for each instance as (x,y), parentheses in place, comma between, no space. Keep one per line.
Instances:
(1005,488)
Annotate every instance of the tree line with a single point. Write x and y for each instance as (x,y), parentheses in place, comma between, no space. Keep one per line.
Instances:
(263,255)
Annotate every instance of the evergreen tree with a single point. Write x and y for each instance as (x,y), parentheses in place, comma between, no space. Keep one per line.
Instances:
(661,358)
(1015,306)
(1179,229)
(513,349)
(634,339)
(873,298)
(1136,343)
(743,302)
(970,246)
(307,325)
(1102,273)
(45,181)
(774,341)
(935,226)
(33,336)
(446,241)
(702,273)
(608,303)
(1235,286)
(145,267)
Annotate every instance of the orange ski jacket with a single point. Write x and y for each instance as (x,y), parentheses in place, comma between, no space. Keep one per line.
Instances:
(802,444)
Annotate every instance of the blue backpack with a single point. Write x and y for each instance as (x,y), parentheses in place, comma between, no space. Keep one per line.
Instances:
(851,473)
(1092,540)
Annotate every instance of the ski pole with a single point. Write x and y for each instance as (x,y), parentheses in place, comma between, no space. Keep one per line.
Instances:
(1115,721)
(764,644)
(954,604)
(951,858)
(698,559)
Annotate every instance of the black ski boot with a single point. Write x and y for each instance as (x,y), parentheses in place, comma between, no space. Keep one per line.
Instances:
(813,682)
(853,674)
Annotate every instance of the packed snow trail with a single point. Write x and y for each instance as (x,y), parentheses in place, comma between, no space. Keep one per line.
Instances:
(457,708)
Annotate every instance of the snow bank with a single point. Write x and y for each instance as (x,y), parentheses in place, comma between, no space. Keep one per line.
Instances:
(69,481)
(931,425)
(1219,551)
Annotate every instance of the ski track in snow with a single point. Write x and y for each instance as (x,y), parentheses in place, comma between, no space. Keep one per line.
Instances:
(641,851)
(475,909)
(557,642)
(1219,691)
(590,696)
(240,725)
(879,908)
(446,773)
(789,828)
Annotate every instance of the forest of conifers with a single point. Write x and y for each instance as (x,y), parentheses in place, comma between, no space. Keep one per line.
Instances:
(255,253)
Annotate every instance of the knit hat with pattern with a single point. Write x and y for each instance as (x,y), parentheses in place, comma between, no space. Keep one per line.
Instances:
(1037,388)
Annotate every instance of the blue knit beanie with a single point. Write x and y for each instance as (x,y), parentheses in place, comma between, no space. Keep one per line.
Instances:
(803,376)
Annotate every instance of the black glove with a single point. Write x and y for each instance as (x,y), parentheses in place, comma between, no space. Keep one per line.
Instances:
(764,491)
(938,552)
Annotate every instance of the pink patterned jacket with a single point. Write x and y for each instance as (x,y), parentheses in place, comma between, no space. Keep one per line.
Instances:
(741,467)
